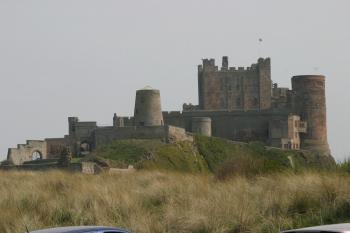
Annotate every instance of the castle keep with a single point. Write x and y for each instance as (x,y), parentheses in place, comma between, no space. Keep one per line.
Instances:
(240,104)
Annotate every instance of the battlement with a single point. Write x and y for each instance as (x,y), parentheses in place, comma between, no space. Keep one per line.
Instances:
(122,121)
(264,60)
(240,68)
(172,113)
(208,64)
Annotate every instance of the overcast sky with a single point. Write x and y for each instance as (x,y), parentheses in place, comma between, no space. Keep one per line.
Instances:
(86,58)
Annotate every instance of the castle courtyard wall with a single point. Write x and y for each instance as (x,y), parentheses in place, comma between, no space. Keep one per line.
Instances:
(55,147)
(24,152)
(237,126)
(105,135)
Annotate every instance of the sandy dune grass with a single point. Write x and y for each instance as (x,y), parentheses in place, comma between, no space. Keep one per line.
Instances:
(152,202)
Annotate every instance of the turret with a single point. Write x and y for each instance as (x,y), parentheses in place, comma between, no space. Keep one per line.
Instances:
(202,126)
(72,121)
(224,63)
(310,104)
(265,83)
(115,120)
(148,110)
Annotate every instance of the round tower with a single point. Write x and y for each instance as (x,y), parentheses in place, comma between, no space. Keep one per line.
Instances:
(310,104)
(201,125)
(148,111)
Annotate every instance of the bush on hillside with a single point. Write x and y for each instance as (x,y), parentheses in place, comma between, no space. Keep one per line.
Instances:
(242,165)
(226,158)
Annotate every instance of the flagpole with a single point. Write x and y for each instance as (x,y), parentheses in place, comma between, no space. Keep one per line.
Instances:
(260,40)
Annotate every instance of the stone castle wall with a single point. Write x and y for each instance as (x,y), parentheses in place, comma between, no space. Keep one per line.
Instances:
(234,88)
(236,125)
(105,135)
(55,147)
(24,152)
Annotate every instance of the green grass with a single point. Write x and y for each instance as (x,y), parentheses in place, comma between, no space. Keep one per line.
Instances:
(154,154)
(255,157)
(220,156)
(226,158)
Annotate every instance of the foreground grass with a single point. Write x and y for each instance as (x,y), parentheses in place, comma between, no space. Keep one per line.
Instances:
(154,202)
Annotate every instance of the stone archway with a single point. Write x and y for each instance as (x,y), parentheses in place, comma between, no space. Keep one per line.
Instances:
(36,155)
(85,148)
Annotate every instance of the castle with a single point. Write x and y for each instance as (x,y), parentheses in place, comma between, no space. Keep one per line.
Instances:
(240,104)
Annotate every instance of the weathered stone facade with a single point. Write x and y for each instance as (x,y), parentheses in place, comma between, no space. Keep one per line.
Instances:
(243,105)
(233,88)
(33,149)
(239,104)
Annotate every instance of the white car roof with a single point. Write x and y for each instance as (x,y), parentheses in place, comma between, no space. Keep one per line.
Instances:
(336,228)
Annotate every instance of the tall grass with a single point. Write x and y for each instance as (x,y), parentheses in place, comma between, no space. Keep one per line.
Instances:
(155,202)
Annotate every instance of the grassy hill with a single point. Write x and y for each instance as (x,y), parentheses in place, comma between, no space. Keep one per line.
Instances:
(207,154)
(154,154)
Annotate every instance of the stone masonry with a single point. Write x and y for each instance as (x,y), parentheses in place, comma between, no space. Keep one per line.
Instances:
(237,103)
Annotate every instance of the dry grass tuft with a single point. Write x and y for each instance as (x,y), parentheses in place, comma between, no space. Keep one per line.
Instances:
(155,202)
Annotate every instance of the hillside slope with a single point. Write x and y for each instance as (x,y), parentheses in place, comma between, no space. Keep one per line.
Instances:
(207,154)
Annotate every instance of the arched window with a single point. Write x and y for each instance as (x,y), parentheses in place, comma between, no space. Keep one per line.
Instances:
(84,148)
(36,155)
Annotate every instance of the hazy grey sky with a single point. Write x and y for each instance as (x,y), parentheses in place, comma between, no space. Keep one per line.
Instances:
(86,58)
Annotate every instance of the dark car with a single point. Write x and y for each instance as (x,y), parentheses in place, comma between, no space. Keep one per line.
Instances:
(82,229)
(334,228)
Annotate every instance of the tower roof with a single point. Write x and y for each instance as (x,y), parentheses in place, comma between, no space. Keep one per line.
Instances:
(147,88)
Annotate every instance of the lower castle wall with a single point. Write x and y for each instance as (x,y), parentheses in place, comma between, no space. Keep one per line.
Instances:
(24,152)
(106,135)
(237,126)
(55,147)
